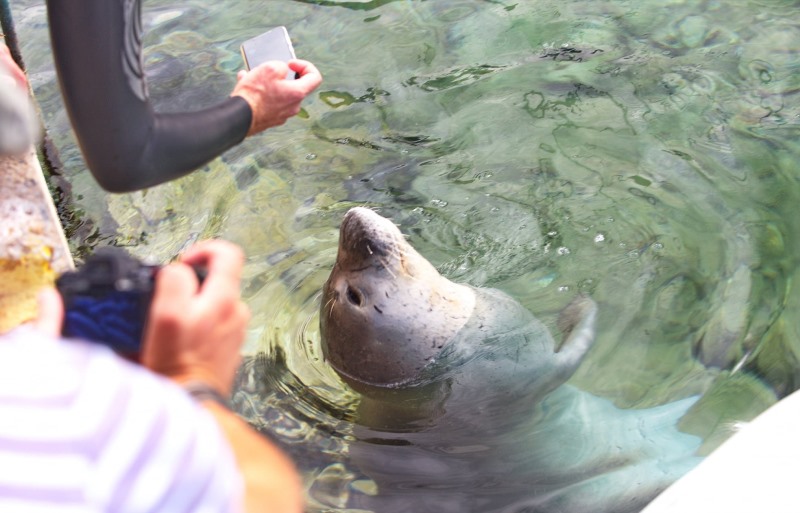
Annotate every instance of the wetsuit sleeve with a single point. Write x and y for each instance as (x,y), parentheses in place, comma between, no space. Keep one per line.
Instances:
(97,48)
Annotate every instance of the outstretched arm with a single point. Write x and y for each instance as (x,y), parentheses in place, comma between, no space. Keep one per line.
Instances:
(97,45)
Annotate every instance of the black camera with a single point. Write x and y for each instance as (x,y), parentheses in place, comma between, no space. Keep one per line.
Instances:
(107,300)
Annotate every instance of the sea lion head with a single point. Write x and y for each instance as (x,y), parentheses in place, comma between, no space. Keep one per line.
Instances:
(386,312)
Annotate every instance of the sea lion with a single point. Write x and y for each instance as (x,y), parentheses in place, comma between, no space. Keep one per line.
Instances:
(388,316)
(464,405)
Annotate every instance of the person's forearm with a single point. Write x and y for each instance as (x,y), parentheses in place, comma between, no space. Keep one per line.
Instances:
(272,483)
(127,146)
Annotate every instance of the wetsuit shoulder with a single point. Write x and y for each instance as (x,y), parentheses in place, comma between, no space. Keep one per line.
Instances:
(97,47)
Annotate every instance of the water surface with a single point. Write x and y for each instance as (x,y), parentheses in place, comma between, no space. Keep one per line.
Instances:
(645,153)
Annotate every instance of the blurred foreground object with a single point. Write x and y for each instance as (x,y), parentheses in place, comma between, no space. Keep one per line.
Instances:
(33,248)
(755,470)
(19,126)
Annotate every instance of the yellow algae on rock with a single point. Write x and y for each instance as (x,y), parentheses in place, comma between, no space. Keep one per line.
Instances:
(21,279)
(33,249)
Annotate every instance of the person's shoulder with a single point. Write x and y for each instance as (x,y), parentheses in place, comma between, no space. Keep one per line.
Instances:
(186,463)
(38,366)
(144,443)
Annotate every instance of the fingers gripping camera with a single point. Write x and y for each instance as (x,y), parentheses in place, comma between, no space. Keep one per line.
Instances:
(108,298)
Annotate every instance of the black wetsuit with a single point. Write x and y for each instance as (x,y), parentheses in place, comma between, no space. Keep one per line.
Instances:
(97,46)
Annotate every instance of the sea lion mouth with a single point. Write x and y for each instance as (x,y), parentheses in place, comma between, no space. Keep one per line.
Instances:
(359,382)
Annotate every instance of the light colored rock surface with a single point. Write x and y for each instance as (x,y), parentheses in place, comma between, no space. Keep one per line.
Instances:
(33,249)
(755,470)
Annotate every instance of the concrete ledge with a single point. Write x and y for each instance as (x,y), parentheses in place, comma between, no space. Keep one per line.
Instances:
(33,249)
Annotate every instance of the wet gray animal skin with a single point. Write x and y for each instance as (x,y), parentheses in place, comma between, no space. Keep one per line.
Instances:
(464,405)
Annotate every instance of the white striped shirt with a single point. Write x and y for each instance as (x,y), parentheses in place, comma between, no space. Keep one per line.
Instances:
(81,430)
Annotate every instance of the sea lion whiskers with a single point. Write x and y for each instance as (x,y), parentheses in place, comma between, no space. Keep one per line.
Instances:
(399,249)
(400,252)
(331,303)
(385,264)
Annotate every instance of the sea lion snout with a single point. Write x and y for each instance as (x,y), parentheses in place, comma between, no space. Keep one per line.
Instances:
(367,238)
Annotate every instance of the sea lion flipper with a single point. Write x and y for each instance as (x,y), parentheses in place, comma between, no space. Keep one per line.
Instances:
(577,323)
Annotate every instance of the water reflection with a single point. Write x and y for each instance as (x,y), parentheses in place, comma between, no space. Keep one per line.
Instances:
(642,154)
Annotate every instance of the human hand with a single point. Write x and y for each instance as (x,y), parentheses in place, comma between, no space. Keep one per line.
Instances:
(193,332)
(19,124)
(10,68)
(51,312)
(272,98)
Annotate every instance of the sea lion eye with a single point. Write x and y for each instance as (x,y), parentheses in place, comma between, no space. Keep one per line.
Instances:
(354,296)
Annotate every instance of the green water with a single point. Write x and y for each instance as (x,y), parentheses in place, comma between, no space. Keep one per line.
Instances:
(643,152)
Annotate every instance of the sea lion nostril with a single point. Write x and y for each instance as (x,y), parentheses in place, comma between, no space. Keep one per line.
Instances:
(354,296)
